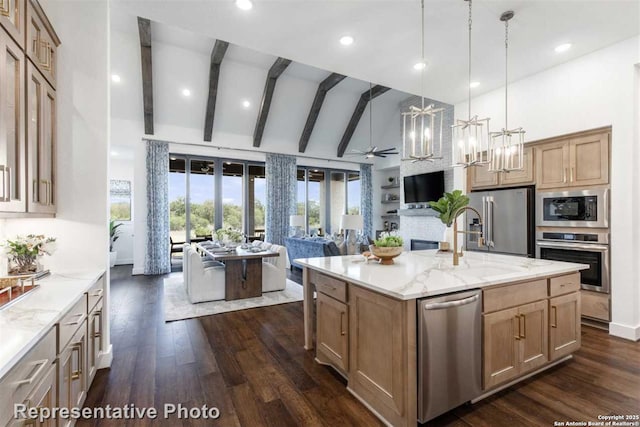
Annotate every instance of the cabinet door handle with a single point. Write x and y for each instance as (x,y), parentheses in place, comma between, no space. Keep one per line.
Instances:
(4,198)
(571,174)
(8,194)
(77,349)
(555,316)
(43,364)
(523,334)
(564,175)
(517,319)
(342,331)
(5,6)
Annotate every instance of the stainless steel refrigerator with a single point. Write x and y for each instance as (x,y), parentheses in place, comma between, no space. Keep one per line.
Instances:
(508,221)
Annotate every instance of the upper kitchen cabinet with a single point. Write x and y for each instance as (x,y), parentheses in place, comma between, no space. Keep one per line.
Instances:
(12,144)
(12,13)
(577,161)
(41,143)
(41,42)
(480,178)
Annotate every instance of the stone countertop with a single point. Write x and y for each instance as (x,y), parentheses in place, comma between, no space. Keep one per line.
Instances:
(25,322)
(419,274)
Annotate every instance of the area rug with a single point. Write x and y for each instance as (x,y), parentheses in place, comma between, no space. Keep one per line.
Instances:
(178,307)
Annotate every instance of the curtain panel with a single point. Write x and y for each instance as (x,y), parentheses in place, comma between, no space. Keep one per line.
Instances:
(366,194)
(281,175)
(157,255)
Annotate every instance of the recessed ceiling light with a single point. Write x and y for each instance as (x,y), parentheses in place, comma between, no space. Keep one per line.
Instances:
(473,85)
(346,40)
(420,66)
(115,78)
(244,4)
(172,158)
(186,92)
(246,104)
(114,153)
(563,47)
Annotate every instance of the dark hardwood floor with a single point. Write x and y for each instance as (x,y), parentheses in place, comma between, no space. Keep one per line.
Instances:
(251,365)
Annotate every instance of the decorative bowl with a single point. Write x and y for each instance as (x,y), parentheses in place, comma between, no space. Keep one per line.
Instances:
(386,254)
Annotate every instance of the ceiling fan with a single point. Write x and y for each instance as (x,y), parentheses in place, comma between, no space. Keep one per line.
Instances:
(372,151)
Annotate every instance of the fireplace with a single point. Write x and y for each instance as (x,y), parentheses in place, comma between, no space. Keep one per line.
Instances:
(419,245)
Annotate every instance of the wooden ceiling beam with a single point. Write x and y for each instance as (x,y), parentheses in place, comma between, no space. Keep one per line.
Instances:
(144,29)
(365,98)
(217,54)
(325,86)
(275,71)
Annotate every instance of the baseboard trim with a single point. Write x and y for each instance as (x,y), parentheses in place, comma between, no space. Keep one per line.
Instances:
(369,407)
(627,332)
(106,357)
(137,271)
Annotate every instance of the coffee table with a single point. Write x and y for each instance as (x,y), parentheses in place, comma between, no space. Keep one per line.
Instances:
(243,271)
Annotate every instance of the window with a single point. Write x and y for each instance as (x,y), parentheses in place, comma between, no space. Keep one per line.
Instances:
(201,198)
(177,199)
(232,195)
(353,193)
(338,191)
(120,192)
(257,200)
(315,202)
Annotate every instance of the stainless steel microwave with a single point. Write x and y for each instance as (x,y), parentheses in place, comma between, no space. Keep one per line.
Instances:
(576,208)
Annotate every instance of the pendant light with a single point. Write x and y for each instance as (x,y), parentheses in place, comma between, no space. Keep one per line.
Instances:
(422,127)
(507,146)
(471,137)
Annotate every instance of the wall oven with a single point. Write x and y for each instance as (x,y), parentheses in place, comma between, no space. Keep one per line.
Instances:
(583,248)
(576,208)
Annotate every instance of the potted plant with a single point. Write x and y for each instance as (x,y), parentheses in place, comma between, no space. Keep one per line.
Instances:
(387,247)
(448,204)
(23,253)
(114,233)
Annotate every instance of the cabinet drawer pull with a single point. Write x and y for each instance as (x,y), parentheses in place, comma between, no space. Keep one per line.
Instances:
(77,322)
(555,316)
(77,348)
(571,175)
(43,364)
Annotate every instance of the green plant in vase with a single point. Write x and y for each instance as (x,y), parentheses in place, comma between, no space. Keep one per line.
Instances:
(23,252)
(447,206)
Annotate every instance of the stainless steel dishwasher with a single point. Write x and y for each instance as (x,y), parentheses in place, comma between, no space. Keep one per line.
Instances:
(449,352)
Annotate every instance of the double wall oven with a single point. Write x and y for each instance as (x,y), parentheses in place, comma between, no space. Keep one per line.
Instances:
(575,229)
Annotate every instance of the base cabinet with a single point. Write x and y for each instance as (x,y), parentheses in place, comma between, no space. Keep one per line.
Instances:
(72,387)
(332,334)
(515,342)
(564,328)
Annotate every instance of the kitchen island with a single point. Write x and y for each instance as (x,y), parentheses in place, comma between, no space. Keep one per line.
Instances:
(366,319)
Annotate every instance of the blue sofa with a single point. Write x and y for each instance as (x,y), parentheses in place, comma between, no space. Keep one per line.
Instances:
(309,248)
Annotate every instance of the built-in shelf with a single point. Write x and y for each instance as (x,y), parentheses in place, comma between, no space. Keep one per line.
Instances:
(390,216)
(417,212)
(386,202)
(390,187)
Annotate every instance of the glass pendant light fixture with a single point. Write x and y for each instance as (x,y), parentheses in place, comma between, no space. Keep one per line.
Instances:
(507,146)
(471,137)
(422,127)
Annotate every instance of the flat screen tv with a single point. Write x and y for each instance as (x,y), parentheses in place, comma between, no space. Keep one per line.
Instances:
(423,188)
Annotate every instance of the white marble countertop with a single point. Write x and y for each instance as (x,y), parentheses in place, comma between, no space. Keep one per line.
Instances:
(25,322)
(419,274)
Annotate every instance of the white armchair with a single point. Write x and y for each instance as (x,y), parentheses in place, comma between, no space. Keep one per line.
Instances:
(203,283)
(274,270)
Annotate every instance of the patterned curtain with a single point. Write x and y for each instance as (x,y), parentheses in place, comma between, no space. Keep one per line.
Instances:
(281,177)
(157,256)
(366,193)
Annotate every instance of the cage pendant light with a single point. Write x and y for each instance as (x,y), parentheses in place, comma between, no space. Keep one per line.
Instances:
(470,137)
(422,127)
(507,146)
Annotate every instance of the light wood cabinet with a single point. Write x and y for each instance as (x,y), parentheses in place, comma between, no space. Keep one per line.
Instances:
(95,344)
(72,376)
(595,305)
(564,330)
(13,196)
(479,176)
(332,332)
(515,342)
(12,19)
(379,361)
(573,162)
(41,143)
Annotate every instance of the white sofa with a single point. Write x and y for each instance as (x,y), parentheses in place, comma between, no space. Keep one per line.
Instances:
(204,281)
(274,269)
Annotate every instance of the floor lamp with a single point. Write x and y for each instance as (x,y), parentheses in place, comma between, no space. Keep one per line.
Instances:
(351,223)
(297,222)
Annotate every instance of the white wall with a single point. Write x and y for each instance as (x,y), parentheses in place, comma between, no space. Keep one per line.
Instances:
(599,89)
(82,98)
